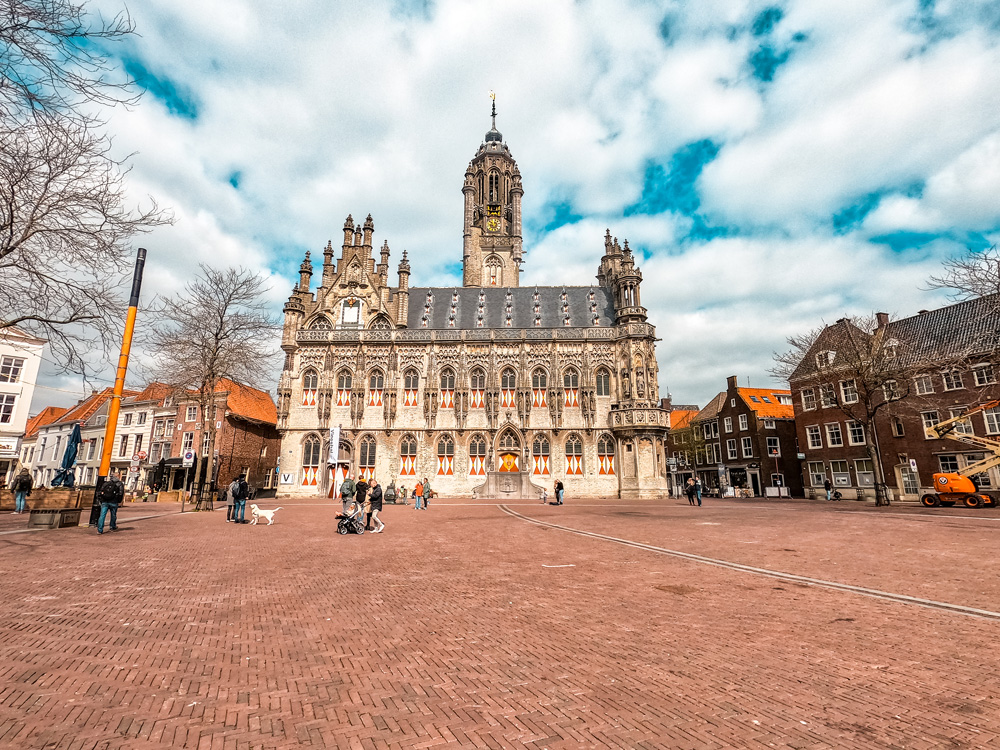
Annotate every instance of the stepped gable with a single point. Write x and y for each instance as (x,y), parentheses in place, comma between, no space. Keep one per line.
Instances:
(581,304)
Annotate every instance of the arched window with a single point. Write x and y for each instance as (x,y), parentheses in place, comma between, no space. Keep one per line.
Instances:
(574,455)
(411,384)
(380,323)
(321,323)
(494,187)
(508,382)
(509,449)
(494,267)
(311,448)
(539,381)
(310,382)
(540,456)
(603,382)
(478,382)
(447,388)
(376,384)
(408,456)
(366,457)
(446,456)
(477,456)
(606,455)
(344,388)
(571,387)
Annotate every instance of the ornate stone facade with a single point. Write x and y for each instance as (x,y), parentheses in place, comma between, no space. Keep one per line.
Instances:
(454,384)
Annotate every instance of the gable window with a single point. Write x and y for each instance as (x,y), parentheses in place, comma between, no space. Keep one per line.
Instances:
(923,384)
(769,424)
(350,313)
(744,422)
(952,380)
(849,391)
(891,391)
(808,399)
(825,359)
(10,369)
(984,375)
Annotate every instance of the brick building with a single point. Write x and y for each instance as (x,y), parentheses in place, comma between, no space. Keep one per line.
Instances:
(679,445)
(958,346)
(745,439)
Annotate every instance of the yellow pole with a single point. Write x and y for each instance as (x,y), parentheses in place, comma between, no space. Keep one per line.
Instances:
(116,394)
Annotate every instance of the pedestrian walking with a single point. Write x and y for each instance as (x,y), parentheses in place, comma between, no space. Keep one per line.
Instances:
(110,495)
(559,492)
(361,493)
(376,496)
(828,486)
(697,489)
(689,490)
(240,491)
(427,492)
(348,488)
(418,496)
(227,497)
(402,493)
(372,487)
(22,490)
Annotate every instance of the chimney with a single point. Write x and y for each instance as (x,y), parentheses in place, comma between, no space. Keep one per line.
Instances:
(731,382)
(882,319)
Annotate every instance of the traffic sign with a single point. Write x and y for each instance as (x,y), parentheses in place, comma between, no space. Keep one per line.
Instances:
(140,456)
(133,469)
(187,458)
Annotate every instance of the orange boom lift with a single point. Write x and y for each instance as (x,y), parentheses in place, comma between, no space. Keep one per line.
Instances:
(959,486)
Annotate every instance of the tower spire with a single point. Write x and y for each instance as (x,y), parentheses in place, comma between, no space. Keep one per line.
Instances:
(493,96)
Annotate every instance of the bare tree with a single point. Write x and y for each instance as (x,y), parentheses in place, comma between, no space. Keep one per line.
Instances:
(52,59)
(862,366)
(66,230)
(219,328)
(970,276)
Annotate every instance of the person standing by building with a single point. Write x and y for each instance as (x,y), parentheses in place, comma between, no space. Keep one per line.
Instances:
(559,492)
(427,492)
(375,506)
(418,496)
(348,488)
(227,496)
(21,487)
(110,495)
(689,490)
(361,493)
(697,489)
(828,486)
(240,490)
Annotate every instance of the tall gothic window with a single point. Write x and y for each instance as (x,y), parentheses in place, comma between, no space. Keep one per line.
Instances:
(571,392)
(510,451)
(344,388)
(539,378)
(574,455)
(447,389)
(310,382)
(494,187)
(540,456)
(408,456)
(493,271)
(446,456)
(477,456)
(366,457)
(411,384)
(508,382)
(606,455)
(478,380)
(603,382)
(311,448)
(376,384)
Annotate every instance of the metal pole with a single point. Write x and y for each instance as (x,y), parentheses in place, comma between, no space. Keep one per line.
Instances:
(116,395)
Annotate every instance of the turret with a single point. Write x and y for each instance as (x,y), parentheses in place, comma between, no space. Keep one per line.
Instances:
(403,292)
(610,262)
(628,306)
(369,230)
(383,266)
(348,230)
(305,274)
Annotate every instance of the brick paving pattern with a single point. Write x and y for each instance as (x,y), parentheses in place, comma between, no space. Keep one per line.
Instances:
(464,627)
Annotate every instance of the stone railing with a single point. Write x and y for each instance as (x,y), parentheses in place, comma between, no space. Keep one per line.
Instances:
(604,333)
(628,418)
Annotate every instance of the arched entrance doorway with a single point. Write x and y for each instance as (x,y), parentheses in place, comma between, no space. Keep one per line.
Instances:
(509,452)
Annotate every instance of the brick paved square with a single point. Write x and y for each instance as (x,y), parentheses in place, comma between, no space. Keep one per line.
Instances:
(466,626)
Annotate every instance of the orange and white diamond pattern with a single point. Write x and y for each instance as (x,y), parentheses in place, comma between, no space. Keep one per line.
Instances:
(477,467)
(538,397)
(478,400)
(309,397)
(367,472)
(447,399)
(410,397)
(574,465)
(343,397)
(409,468)
(606,465)
(572,397)
(446,466)
(540,465)
(375,397)
(310,477)
(507,397)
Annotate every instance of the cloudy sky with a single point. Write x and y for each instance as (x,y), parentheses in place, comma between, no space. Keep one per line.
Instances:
(775,165)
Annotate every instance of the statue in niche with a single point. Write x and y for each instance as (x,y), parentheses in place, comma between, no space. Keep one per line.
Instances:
(626,385)
(640,384)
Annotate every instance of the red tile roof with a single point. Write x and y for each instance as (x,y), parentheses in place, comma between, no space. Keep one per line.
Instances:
(763,409)
(681,418)
(154,392)
(247,402)
(89,406)
(48,415)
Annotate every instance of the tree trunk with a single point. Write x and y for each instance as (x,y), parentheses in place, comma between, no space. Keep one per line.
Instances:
(881,491)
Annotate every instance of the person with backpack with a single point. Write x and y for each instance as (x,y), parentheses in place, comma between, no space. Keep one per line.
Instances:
(110,495)
(22,490)
(347,491)
(240,491)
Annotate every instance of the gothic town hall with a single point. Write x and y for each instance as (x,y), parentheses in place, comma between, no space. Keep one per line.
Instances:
(490,389)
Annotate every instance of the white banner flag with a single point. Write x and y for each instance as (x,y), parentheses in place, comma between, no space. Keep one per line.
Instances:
(334,445)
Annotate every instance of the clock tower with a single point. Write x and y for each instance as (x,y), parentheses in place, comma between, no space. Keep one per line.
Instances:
(491,248)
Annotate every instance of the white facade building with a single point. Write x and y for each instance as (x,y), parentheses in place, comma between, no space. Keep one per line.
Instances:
(20,358)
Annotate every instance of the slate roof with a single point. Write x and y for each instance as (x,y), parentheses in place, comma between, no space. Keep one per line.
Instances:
(771,408)
(549,305)
(972,326)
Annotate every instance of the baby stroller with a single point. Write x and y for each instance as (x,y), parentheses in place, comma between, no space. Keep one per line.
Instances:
(354,521)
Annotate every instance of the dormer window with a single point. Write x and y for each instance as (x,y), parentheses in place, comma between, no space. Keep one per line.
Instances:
(825,358)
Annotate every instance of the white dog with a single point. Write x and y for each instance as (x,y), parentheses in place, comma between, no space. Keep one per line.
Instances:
(261,513)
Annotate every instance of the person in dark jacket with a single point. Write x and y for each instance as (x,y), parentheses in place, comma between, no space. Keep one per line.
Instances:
(240,491)
(22,489)
(111,494)
(362,492)
(375,498)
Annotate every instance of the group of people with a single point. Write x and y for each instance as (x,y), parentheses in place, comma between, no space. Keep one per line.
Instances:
(558,490)
(364,495)
(422,494)
(693,491)
(235,495)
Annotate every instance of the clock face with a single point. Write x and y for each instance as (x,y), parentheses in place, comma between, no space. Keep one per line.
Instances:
(492,224)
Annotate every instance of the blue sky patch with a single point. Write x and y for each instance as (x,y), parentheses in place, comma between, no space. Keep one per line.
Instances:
(765,60)
(766,20)
(902,240)
(673,188)
(235,178)
(850,217)
(177,101)
(562,214)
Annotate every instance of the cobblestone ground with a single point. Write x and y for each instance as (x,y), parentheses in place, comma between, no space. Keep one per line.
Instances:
(464,626)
